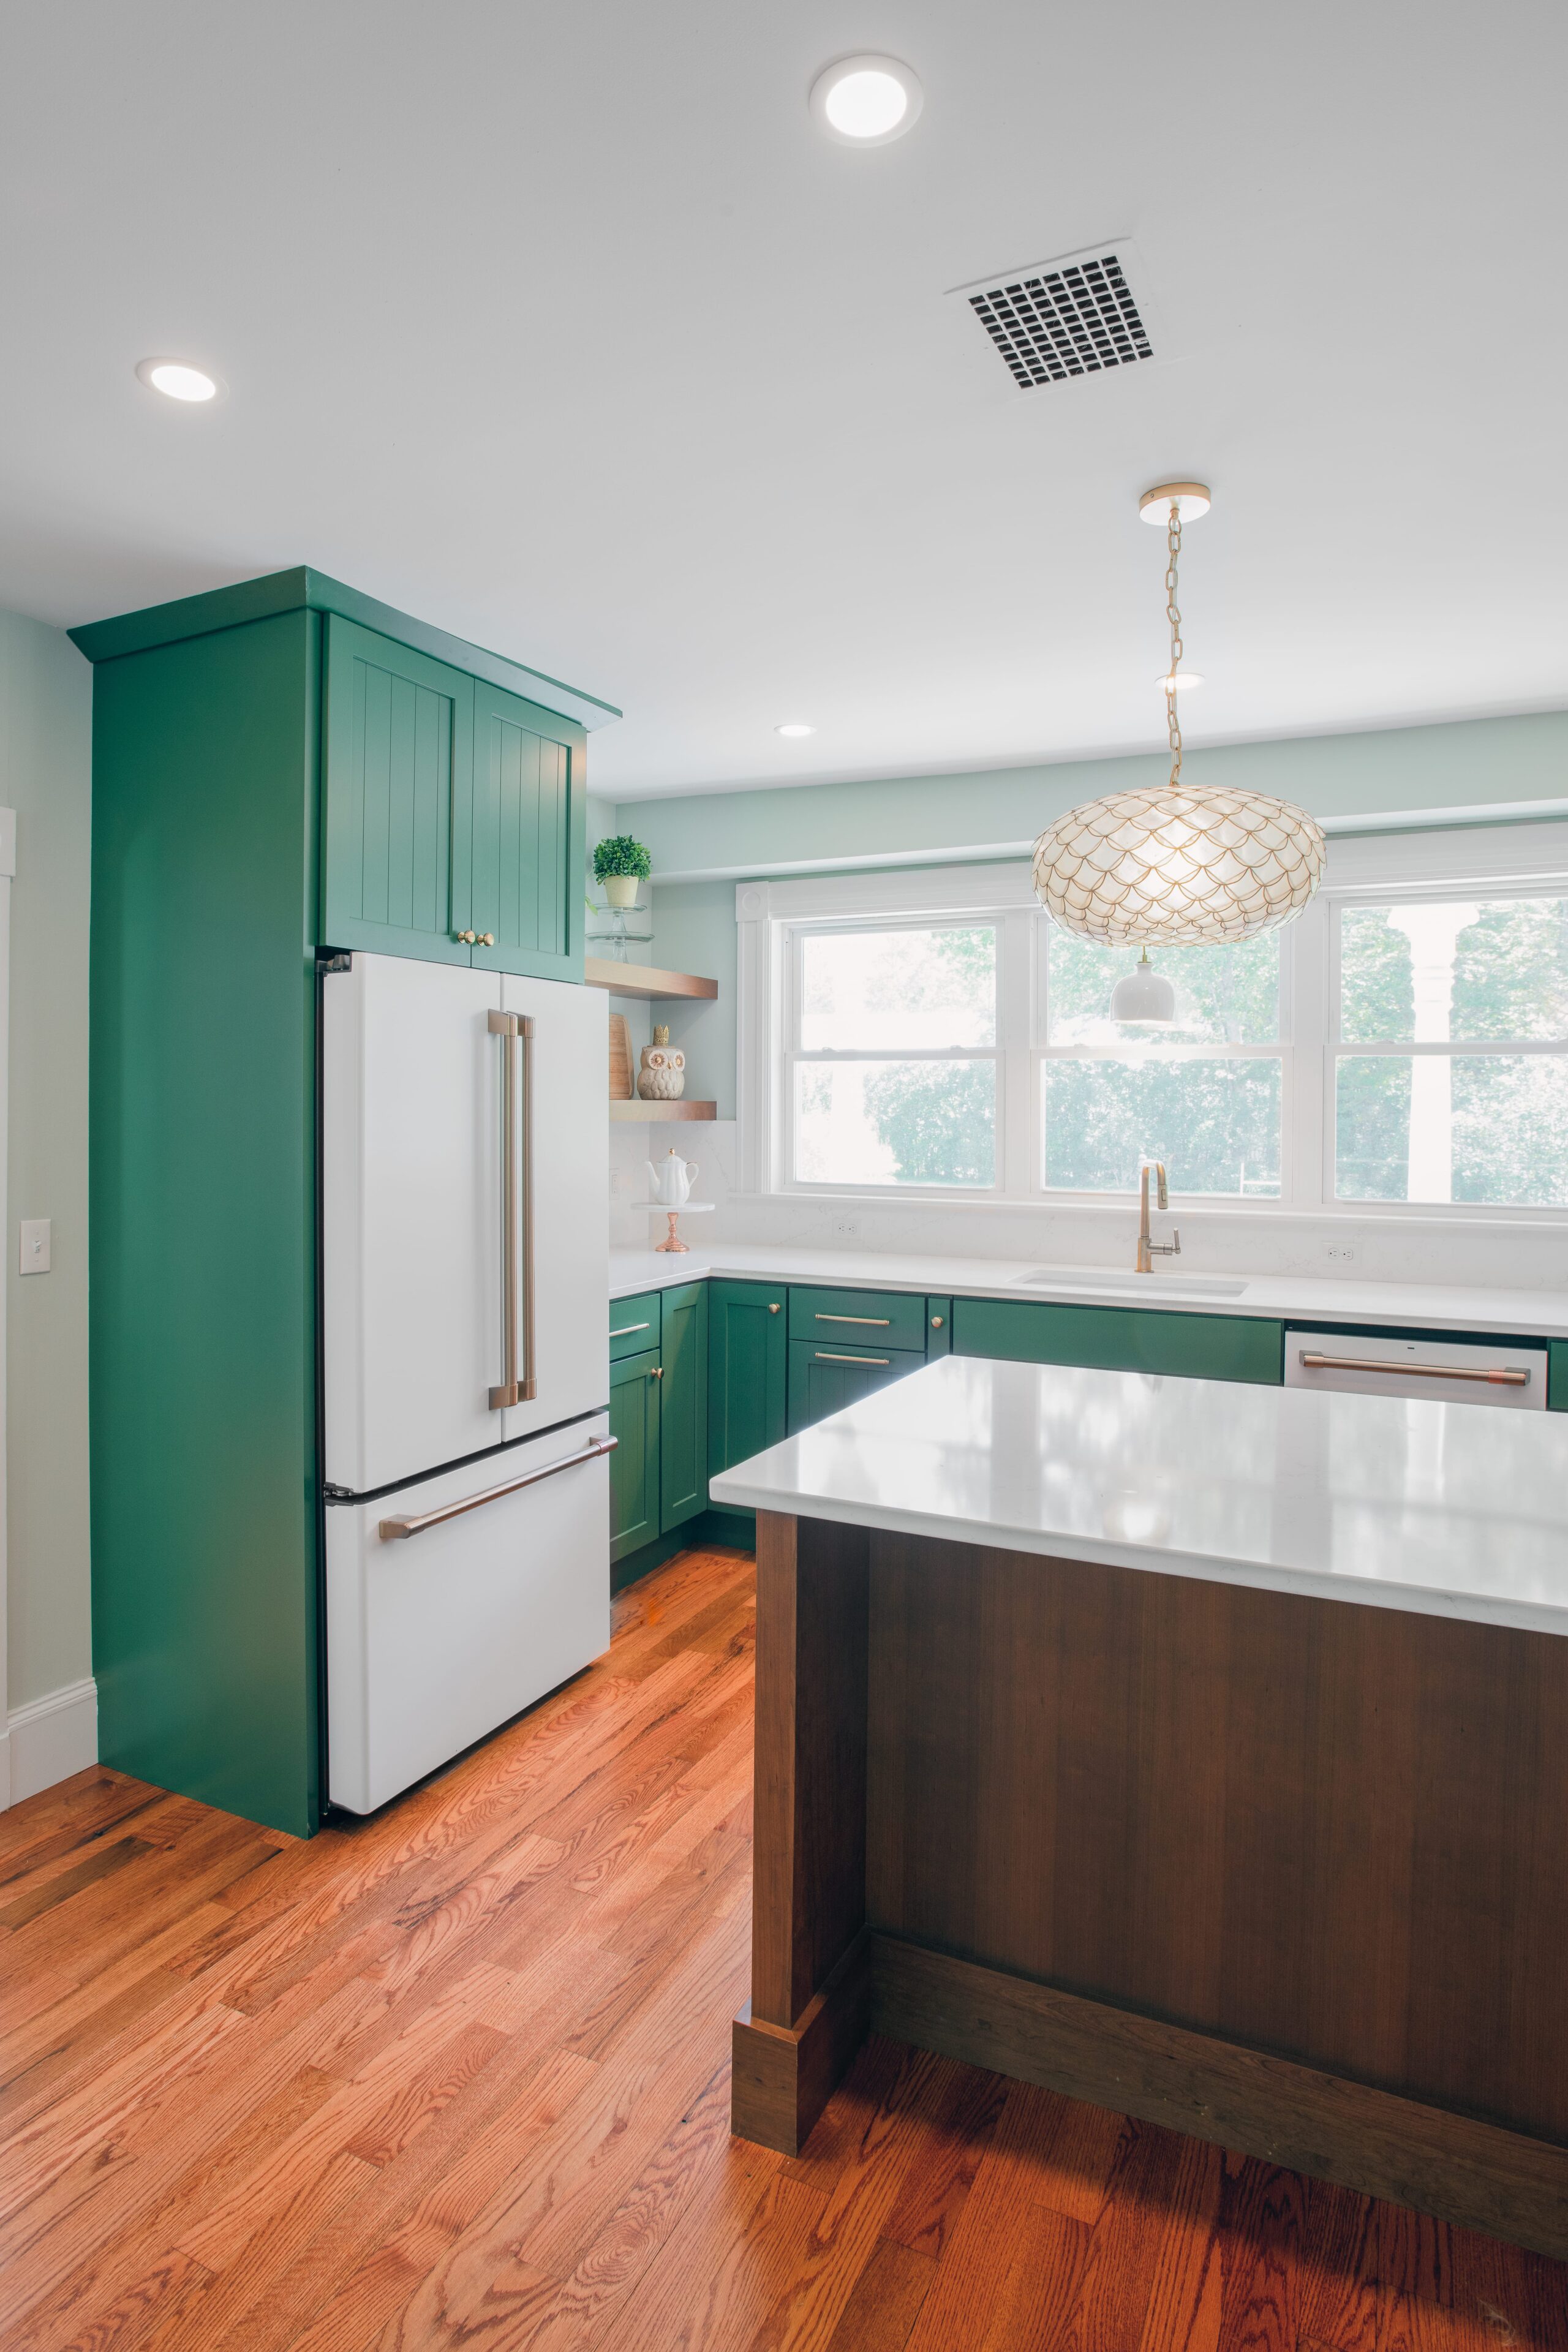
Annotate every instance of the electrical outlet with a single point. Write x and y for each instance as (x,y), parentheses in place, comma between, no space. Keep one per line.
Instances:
(846,1229)
(615,1183)
(1344,1251)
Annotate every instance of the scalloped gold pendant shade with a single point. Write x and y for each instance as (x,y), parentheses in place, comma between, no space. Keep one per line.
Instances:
(1177,864)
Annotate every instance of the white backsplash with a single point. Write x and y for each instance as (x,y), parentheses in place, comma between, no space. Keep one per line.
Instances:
(1429,1248)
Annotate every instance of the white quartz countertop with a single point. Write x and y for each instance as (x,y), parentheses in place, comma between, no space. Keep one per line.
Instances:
(1415,1305)
(1449,1510)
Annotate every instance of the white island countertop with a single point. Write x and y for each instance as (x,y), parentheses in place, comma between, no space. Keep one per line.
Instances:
(1450,1510)
(1290,1299)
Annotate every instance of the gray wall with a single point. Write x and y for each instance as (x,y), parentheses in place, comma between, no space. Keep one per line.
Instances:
(45,775)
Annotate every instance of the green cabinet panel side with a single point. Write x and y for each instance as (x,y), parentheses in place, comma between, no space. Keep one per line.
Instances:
(529,839)
(633,1324)
(1121,1340)
(748,1371)
(858,1318)
(683,1405)
(202,1384)
(939,1327)
(399,773)
(1557,1376)
(634,1465)
(823,1380)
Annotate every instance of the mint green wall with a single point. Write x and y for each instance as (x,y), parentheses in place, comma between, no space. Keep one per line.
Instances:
(45,775)
(1501,766)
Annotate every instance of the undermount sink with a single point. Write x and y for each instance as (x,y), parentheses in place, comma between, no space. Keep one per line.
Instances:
(1146,1286)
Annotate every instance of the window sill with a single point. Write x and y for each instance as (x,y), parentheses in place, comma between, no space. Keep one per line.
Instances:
(1201,1211)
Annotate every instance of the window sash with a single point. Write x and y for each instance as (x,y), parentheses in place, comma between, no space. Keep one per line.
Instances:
(1523,862)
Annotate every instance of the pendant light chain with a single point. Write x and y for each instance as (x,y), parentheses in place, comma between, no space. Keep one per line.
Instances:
(1173,615)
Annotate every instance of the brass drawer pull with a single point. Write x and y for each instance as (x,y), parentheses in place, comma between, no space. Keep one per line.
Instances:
(627,1328)
(397,1531)
(936,1322)
(1499,1380)
(882,1322)
(823,1358)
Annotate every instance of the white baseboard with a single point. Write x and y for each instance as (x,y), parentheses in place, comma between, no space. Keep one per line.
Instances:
(47,1740)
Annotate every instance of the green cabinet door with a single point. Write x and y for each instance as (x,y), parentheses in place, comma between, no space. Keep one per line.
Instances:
(634,1385)
(824,1379)
(528,839)
(398,776)
(1557,1376)
(683,1405)
(748,1368)
(1121,1340)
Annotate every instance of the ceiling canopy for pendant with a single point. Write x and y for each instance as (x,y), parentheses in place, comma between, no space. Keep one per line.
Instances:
(1176,863)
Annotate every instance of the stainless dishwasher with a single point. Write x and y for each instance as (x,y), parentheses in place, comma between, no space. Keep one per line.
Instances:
(1382,1363)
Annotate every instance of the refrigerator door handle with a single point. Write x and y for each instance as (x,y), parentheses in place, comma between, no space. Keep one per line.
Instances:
(397,1531)
(516,1033)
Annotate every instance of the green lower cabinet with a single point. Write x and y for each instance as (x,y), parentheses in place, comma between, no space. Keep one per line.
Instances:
(1121,1340)
(824,1379)
(683,1404)
(748,1371)
(635,1400)
(939,1327)
(1557,1376)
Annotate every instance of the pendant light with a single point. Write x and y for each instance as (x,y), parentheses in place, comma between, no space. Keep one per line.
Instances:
(1175,864)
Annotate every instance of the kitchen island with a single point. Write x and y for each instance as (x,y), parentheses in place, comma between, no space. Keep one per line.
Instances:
(1195,1748)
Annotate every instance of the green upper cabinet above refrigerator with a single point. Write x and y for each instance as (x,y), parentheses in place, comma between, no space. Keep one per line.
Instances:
(398,772)
(528,839)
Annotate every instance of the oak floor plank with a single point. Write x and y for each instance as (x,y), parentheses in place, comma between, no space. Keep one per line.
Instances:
(456,2079)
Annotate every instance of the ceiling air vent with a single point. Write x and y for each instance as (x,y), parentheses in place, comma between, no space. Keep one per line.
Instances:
(1062,318)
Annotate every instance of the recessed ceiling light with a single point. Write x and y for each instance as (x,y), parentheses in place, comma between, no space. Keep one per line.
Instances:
(793,726)
(1181,681)
(865,101)
(177,379)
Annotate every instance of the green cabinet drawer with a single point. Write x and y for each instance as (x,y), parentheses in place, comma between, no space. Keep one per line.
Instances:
(939,1327)
(634,1423)
(398,760)
(825,1376)
(748,1371)
(868,1320)
(633,1325)
(683,1404)
(526,839)
(1121,1340)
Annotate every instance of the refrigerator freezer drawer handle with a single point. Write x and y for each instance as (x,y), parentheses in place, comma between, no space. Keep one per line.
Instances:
(1313,1362)
(516,1030)
(396,1530)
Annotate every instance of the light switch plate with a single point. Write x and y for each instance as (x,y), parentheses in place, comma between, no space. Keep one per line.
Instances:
(35,1245)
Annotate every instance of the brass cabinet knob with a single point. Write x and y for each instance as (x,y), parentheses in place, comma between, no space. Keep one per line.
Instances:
(657,1373)
(936,1322)
(467,939)
(773,1306)
(486,939)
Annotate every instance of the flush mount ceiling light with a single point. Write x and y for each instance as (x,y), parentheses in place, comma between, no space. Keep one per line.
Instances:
(865,101)
(177,380)
(793,727)
(1175,865)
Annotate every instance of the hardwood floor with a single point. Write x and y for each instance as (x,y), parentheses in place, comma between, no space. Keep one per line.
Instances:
(458,2076)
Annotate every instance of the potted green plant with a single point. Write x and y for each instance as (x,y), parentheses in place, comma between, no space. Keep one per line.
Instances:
(620,864)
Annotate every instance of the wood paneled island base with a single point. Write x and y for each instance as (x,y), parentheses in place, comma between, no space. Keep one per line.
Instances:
(1286,1874)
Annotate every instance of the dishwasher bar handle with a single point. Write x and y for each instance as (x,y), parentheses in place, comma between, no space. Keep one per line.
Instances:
(1312,1362)
(397,1531)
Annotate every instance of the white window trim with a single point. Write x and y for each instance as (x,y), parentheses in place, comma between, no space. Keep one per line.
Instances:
(1526,857)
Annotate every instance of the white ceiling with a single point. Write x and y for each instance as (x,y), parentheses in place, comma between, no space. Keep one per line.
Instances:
(562,327)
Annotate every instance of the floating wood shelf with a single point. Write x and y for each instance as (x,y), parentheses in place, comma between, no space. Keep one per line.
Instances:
(644,979)
(652,1111)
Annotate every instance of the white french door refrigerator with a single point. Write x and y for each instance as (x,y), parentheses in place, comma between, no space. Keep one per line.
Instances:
(465,1368)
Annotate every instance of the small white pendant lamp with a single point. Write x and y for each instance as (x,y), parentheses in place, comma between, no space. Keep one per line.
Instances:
(1175,864)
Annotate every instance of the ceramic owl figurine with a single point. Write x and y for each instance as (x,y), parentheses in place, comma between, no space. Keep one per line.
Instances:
(662,1077)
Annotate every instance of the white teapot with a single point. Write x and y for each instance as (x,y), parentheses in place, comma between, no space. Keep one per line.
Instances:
(670,1182)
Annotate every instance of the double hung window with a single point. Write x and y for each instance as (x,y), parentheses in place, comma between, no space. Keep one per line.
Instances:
(1403,1045)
